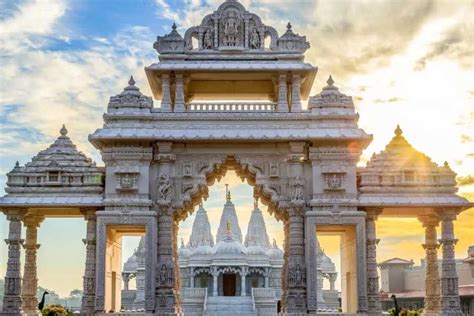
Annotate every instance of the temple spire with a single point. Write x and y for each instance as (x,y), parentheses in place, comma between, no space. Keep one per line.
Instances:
(257,231)
(227,193)
(398,131)
(201,232)
(229,215)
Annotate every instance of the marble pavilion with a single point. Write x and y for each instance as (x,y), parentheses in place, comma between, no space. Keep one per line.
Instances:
(231,93)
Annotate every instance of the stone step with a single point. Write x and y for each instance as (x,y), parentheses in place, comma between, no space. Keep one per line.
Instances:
(230,305)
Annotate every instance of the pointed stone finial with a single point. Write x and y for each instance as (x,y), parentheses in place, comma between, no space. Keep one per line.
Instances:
(446,164)
(17,164)
(274,243)
(289,26)
(330,81)
(398,131)
(255,203)
(227,193)
(174,27)
(201,205)
(182,243)
(63,130)
(131,82)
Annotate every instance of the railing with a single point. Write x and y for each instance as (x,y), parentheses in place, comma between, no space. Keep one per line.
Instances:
(232,107)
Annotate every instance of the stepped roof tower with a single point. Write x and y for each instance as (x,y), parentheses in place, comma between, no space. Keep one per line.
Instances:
(201,232)
(229,216)
(257,230)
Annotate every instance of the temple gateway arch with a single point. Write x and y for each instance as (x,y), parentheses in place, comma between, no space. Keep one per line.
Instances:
(231,93)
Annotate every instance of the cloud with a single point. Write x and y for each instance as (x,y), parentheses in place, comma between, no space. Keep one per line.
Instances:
(468,180)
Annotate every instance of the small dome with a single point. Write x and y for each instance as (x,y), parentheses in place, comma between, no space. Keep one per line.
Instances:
(131,264)
(275,253)
(257,250)
(202,250)
(183,252)
(230,246)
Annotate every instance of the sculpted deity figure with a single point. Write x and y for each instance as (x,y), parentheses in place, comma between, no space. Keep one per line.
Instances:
(254,39)
(231,30)
(208,41)
(164,192)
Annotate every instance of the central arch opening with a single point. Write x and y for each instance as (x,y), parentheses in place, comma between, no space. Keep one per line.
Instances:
(230,248)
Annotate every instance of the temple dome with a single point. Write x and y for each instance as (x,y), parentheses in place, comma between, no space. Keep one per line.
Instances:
(202,250)
(184,251)
(275,253)
(230,247)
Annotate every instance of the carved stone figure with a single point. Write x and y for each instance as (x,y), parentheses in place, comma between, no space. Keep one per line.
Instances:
(255,39)
(208,39)
(164,190)
(231,30)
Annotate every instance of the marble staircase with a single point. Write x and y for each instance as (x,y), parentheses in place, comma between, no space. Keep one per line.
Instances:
(230,306)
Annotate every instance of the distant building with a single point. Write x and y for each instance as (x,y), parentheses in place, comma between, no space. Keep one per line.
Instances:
(407,281)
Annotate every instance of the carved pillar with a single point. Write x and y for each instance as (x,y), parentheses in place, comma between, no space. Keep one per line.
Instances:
(89,282)
(247,32)
(167,295)
(216,33)
(296,274)
(296,93)
(166,93)
(126,281)
(267,277)
(450,302)
(332,281)
(30,279)
(373,295)
(12,294)
(179,94)
(432,282)
(282,93)
(191,278)
(243,275)
(215,276)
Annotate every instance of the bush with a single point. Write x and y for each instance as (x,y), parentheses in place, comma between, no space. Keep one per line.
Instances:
(54,310)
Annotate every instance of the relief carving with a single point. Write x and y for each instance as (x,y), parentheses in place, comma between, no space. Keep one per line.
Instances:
(164,190)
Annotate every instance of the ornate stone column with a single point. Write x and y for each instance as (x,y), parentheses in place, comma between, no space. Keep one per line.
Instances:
(191,278)
(30,279)
(267,277)
(432,281)
(12,294)
(167,295)
(332,281)
(243,275)
(450,302)
(166,93)
(215,276)
(296,274)
(179,93)
(373,295)
(296,93)
(89,282)
(126,281)
(282,93)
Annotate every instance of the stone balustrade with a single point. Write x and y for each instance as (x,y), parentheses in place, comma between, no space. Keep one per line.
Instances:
(232,107)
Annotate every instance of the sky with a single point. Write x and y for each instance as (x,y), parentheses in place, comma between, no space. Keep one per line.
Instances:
(404,62)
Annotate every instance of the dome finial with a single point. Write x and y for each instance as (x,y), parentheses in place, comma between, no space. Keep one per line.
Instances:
(274,243)
(174,27)
(227,193)
(182,243)
(255,203)
(289,26)
(63,130)
(17,164)
(398,131)
(131,82)
(330,80)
